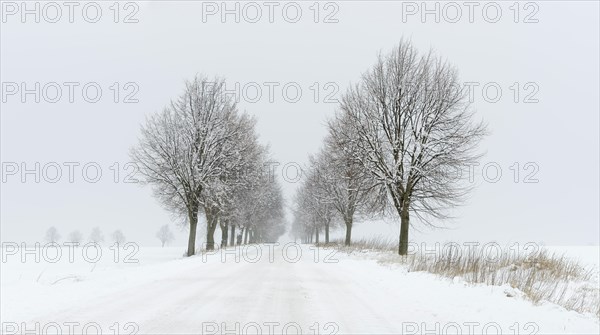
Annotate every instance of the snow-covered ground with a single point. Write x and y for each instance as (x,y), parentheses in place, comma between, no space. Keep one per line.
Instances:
(269,288)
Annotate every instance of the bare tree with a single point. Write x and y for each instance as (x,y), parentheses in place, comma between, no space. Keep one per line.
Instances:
(257,202)
(313,207)
(52,235)
(298,229)
(415,133)
(243,179)
(240,150)
(182,149)
(96,236)
(244,196)
(75,237)
(341,179)
(301,224)
(118,237)
(269,218)
(165,235)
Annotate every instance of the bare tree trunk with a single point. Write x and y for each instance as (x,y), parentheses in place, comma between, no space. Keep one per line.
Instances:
(327,233)
(162,244)
(348,223)
(224,234)
(404,225)
(193,217)
(246,235)
(232,235)
(211,223)
(317,235)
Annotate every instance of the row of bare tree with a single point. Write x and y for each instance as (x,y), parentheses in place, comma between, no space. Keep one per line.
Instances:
(398,144)
(96,236)
(201,155)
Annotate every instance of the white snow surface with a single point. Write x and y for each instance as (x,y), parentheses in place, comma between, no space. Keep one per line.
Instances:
(269,289)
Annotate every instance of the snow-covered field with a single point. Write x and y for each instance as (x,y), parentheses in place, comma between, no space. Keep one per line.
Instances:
(285,288)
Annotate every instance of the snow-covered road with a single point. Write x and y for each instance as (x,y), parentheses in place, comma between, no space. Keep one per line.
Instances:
(273,289)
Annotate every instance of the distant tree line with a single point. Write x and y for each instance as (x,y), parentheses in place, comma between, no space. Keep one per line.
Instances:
(96,236)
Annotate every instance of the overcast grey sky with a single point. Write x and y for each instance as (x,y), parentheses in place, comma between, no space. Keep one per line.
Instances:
(549,118)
